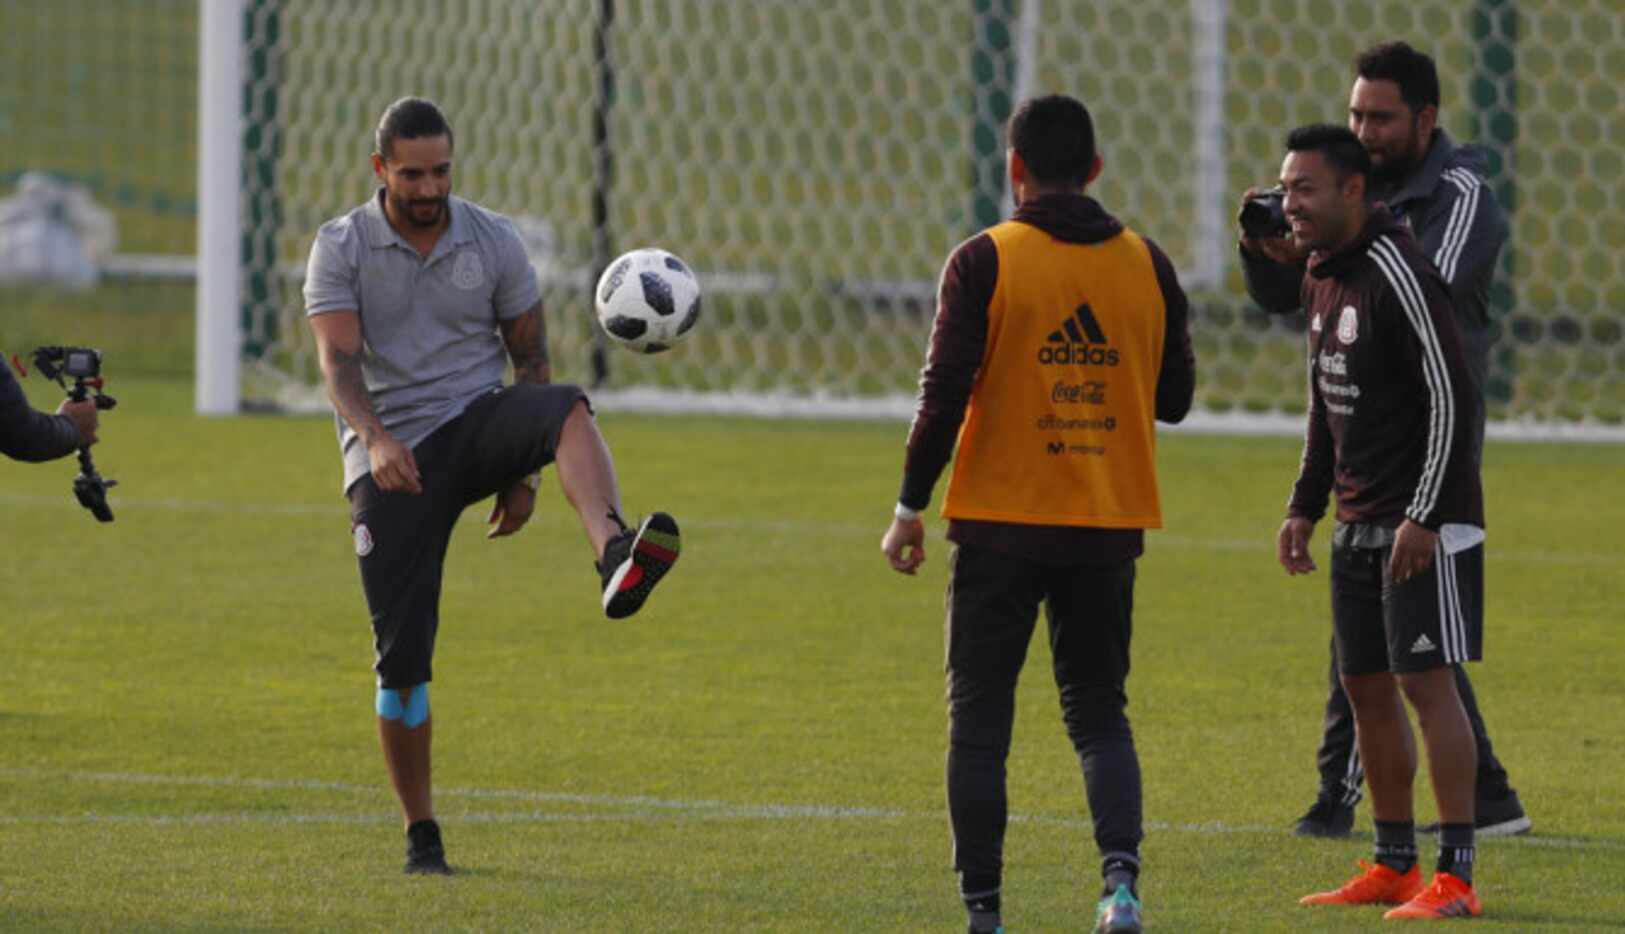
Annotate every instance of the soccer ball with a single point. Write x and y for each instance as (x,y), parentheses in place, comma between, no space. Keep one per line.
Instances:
(647,300)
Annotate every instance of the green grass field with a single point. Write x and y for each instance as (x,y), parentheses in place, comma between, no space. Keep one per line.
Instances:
(187,742)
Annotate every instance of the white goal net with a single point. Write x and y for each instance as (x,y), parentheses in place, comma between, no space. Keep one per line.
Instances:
(816,161)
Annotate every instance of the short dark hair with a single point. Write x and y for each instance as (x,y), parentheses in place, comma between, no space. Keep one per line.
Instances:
(409,118)
(1055,137)
(1413,71)
(1337,145)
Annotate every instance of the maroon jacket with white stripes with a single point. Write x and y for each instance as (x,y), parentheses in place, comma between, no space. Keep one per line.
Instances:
(1391,401)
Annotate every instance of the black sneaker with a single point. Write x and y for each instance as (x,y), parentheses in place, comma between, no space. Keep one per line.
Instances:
(1498,816)
(424,853)
(1326,818)
(634,562)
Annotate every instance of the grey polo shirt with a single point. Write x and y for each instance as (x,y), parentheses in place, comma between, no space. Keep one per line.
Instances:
(428,325)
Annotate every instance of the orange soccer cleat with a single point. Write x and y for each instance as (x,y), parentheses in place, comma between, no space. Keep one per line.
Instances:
(1375,885)
(1446,897)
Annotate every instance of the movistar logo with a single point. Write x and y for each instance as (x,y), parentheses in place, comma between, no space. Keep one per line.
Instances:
(1078,341)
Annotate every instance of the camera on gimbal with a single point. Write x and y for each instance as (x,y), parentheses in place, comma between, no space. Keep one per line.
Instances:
(84,366)
(1263,216)
(78,363)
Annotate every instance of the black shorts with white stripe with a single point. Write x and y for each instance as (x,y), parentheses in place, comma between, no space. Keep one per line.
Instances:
(1432,620)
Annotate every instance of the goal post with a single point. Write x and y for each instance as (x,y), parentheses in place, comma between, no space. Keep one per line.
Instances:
(218,353)
(815,163)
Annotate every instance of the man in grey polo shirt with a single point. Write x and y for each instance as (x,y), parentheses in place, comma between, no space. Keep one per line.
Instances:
(417,300)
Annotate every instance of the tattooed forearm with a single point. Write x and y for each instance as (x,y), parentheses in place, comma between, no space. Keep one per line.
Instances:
(347,387)
(526,338)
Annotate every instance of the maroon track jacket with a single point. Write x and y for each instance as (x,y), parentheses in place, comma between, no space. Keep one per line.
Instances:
(1391,401)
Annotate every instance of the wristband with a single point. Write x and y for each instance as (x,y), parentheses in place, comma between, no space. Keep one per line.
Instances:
(906,514)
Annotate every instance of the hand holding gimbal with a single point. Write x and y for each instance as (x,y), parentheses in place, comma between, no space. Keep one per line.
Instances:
(85,366)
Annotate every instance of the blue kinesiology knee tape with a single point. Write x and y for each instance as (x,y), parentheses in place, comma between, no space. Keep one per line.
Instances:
(417,707)
(412,713)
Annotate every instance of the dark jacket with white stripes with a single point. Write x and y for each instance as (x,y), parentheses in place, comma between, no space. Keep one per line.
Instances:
(1456,221)
(1391,404)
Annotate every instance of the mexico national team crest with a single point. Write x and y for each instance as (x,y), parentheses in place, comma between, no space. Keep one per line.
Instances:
(1348,325)
(467,273)
(363,541)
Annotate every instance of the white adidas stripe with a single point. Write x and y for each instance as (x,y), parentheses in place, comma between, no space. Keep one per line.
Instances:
(1460,618)
(1444,415)
(1441,258)
(1478,187)
(1443,602)
(1352,776)
(1454,629)
(1447,606)
(1442,418)
(1462,215)
(1442,412)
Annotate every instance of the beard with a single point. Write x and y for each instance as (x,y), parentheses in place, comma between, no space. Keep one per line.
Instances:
(1391,171)
(1397,165)
(420,212)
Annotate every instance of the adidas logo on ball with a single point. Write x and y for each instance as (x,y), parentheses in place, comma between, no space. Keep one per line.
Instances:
(647,300)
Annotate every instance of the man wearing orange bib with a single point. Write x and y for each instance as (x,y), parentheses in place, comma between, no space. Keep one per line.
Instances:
(1060,337)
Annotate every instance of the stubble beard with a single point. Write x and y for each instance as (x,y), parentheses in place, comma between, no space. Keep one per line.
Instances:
(408,211)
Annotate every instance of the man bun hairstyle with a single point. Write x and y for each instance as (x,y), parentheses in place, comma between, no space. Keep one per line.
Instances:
(409,118)
(1337,145)
(1055,137)
(1412,71)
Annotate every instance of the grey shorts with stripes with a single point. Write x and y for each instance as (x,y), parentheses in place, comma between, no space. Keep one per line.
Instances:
(1432,620)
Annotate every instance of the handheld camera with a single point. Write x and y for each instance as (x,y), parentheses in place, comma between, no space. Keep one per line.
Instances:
(84,366)
(1263,217)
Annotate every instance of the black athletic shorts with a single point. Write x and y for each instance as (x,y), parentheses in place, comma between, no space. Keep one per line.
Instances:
(401,538)
(1432,620)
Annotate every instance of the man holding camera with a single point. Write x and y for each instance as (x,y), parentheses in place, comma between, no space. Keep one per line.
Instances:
(1437,189)
(30,435)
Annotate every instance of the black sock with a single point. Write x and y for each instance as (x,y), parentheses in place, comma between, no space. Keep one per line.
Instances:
(1456,851)
(1120,868)
(1396,844)
(981,897)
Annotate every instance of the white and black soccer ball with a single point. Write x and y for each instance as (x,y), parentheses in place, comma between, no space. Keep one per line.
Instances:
(647,300)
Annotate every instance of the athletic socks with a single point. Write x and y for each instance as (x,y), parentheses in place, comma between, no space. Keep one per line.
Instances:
(1396,844)
(981,894)
(981,903)
(1456,851)
(1119,868)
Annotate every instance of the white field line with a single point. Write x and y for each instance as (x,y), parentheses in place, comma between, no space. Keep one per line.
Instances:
(338,511)
(652,805)
(622,808)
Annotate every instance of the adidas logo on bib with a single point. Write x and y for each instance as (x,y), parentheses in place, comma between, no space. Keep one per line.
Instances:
(1078,341)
